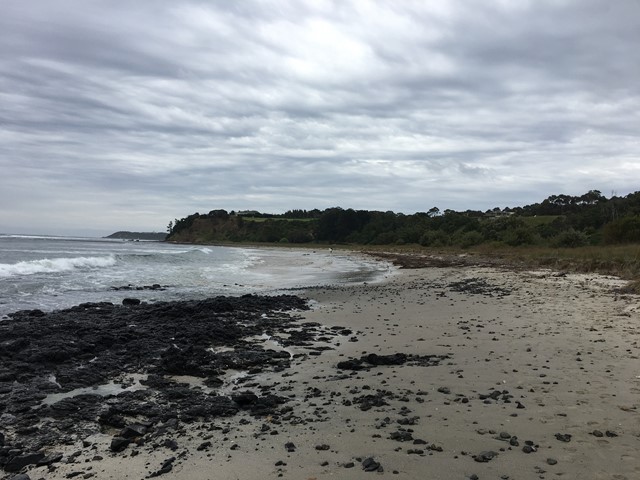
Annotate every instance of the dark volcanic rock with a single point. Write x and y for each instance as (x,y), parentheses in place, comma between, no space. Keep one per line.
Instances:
(478,286)
(370,465)
(18,462)
(118,444)
(93,344)
(485,456)
(373,360)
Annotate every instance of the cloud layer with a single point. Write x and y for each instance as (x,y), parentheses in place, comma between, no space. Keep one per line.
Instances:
(119,114)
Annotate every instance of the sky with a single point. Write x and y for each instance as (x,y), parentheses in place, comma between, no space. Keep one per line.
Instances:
(123,115)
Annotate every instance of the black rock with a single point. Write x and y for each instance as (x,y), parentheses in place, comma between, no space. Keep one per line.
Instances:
(485,456)
(563,437)
(349,465)
(324,446)
(171,444)
(203,446)
(370,465)
(551,461)
(18,462)
(50,459)
(401,436)
(167,466)
(597,433)
(127,302)
(133,431)
(21,476)
(290,447)
(118,444)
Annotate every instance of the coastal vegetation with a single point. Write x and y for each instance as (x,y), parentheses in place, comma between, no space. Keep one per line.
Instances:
(591,231)
(126,235)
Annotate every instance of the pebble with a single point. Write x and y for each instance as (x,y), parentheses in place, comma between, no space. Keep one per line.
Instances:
(485,456)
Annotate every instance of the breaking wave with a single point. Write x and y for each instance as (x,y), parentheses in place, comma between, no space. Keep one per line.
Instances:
(54,265)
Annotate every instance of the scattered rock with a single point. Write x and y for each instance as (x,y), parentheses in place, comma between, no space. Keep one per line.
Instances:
(485,456)
(18,462)
(370,465)
(563,437)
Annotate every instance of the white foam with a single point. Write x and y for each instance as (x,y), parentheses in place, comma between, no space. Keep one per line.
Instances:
(54,265)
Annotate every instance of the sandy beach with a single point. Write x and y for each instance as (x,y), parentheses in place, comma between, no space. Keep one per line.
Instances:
(478,372)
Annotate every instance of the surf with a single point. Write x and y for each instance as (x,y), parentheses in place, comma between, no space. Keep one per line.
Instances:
(55,265)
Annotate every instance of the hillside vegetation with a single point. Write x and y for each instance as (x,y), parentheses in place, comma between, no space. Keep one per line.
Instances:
(560,221)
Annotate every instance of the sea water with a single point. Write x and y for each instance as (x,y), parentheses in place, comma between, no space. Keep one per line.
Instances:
(51,273)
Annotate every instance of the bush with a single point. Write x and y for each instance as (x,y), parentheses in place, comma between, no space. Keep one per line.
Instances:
(384,238)
(624,230)
(570,239)
(519,236)
(434,238)
(470,239)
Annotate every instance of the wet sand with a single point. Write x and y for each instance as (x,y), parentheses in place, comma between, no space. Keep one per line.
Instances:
(536,375)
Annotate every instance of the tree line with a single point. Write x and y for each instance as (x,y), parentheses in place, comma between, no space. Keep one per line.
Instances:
(557,221)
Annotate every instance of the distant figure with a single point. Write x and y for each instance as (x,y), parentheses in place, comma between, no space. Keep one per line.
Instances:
(330,250)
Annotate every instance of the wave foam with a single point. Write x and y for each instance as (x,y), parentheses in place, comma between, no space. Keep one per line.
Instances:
(54,265)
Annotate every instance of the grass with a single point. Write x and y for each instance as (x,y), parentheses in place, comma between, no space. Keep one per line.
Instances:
(620,260)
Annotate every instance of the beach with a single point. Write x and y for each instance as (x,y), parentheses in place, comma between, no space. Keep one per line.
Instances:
(449,372)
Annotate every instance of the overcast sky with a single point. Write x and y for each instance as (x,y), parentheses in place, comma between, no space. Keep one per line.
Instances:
(121,114)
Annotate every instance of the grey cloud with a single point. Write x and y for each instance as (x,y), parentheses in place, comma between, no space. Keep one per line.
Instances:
(190,105)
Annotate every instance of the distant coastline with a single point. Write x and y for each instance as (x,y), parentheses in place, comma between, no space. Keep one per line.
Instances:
(125,235)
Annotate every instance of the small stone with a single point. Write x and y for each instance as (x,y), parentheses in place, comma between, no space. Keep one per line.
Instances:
(485,456)
(597,433)
(349,465)
(563,437)
(370,465)
(551,461)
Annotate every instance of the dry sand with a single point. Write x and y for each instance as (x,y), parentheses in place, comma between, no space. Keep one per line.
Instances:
(566,347)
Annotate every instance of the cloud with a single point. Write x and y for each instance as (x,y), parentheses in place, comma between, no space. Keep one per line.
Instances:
(124,114)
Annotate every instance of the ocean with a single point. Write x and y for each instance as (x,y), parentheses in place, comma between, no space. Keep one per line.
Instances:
(52,273)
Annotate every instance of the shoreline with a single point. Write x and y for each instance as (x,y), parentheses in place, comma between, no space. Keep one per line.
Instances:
(564,347)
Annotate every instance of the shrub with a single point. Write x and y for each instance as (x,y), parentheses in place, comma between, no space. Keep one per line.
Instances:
(570,239)
(434,238)
(469,239)
(624,230)
(519,236)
